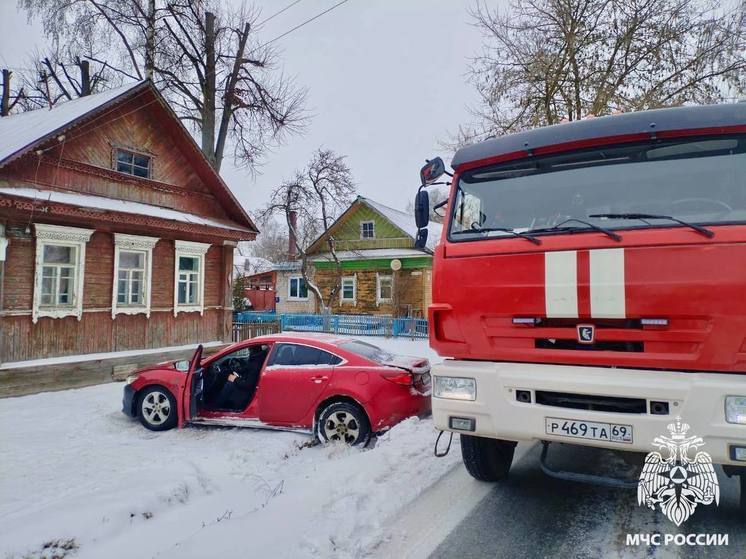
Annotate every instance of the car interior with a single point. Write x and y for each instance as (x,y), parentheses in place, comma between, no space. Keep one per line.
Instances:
(246,363)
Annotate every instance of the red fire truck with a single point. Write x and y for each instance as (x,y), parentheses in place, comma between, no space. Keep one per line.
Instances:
(590,286)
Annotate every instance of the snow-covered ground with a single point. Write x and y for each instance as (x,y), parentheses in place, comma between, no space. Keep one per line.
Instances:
(74,469)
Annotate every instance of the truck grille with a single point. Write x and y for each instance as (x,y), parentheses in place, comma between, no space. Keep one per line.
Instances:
(590,402)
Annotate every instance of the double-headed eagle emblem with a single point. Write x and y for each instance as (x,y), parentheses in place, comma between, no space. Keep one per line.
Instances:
(676,482)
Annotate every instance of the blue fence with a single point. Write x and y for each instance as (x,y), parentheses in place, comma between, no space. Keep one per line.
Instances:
(350,324)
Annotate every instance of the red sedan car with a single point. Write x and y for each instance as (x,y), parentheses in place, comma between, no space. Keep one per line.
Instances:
(341,389)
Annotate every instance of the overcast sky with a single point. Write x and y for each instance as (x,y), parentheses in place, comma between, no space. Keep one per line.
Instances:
(386,81)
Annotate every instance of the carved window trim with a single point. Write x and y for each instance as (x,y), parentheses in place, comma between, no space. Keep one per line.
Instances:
(192,250)
(58,235)
(133,243)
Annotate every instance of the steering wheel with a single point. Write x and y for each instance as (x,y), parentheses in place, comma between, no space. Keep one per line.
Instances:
(234,365)
(694,201)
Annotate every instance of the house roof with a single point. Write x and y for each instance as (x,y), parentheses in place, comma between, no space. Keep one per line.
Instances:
(116,205)
(626,124)
(23,132)
(399,219)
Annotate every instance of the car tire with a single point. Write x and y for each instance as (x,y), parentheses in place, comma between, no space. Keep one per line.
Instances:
(156,408)
(343,422)
(487,459)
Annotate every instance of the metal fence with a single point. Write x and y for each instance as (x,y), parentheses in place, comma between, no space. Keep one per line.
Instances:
(349,324)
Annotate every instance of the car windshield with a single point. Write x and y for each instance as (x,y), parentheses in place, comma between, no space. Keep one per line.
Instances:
(369,351)
(697,180)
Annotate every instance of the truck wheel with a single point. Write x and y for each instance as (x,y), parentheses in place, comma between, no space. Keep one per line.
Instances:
(487,459)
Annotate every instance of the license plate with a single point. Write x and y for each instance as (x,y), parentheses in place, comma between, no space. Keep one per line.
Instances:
(593,430)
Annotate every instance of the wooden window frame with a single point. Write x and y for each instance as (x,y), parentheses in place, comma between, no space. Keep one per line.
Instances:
(115,161)
(370,222)
(190,249)
(381,300)
(133,243)
(58,235)
(342,298)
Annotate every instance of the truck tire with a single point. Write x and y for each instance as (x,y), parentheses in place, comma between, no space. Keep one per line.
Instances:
(487,459)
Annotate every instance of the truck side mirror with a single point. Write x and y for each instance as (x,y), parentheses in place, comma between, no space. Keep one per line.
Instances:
(422,208)
(431,172)
(421,240)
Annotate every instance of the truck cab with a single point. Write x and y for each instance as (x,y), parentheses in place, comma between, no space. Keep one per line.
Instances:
(590,287)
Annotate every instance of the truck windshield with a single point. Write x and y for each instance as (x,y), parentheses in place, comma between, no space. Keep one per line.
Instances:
(697,180)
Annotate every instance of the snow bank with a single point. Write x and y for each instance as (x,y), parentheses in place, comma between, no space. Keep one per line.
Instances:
(74,467)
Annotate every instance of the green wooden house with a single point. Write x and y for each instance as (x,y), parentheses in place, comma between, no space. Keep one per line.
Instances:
(382,271)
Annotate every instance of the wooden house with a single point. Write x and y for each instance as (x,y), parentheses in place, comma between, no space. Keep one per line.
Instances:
(116,240)
(382,271)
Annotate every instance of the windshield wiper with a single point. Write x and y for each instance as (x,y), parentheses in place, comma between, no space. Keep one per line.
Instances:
(501,230)
(642,217)
(559,227)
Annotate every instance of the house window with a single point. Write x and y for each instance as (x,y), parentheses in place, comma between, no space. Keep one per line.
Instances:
(384,289)
(133,163)
(133,263)
(189,277)
(367,229)
(348,294)
(59,271)
(297,288)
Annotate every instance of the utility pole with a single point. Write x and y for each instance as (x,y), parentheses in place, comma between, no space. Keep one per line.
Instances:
(5,103)
(208,109)
(85,78)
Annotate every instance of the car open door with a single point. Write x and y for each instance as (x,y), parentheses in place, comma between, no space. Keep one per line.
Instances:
(192,388)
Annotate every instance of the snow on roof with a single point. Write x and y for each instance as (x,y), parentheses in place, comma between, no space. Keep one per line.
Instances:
(287,266)
(114,205)
(21,130)
(371,253)
(405,222)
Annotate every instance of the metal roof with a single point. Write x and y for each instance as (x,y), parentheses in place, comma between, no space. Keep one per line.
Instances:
(656,120)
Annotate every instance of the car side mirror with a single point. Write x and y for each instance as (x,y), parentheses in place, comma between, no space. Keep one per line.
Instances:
(182,365)
(422,208)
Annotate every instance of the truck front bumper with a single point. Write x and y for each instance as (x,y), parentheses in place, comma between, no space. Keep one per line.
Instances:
(698,398)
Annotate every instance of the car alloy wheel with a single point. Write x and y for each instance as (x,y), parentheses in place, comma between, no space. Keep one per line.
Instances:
(343,422)
(156,408)
(341,426)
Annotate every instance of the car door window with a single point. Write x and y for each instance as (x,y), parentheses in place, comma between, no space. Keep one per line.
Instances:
(294,355)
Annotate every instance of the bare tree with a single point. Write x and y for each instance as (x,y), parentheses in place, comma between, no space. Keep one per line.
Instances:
(272,244)
(205,59)
(310,202)
(545,61)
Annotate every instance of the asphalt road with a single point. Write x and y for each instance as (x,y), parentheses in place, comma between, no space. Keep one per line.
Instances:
(533,515)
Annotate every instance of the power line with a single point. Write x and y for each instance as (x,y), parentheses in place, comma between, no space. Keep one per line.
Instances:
(285,9)
(309,20)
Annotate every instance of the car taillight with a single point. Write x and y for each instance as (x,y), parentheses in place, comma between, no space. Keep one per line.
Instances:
(404,378)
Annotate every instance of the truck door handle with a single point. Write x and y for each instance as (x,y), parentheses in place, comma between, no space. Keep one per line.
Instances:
(319,380)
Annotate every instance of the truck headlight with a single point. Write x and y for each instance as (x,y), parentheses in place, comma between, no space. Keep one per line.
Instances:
(131,379)
(735,409)
(455,388)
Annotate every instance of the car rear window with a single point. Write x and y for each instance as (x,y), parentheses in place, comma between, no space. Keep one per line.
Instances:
(369,351)
(299,355)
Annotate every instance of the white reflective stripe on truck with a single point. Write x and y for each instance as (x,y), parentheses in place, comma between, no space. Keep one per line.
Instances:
(607,283)
(561,284)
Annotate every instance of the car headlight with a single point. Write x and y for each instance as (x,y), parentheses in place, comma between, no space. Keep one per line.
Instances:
(131,379)
(455,388)
(735,409)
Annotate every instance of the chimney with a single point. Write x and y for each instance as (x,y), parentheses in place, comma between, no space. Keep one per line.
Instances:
(293,222)
(85,78)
